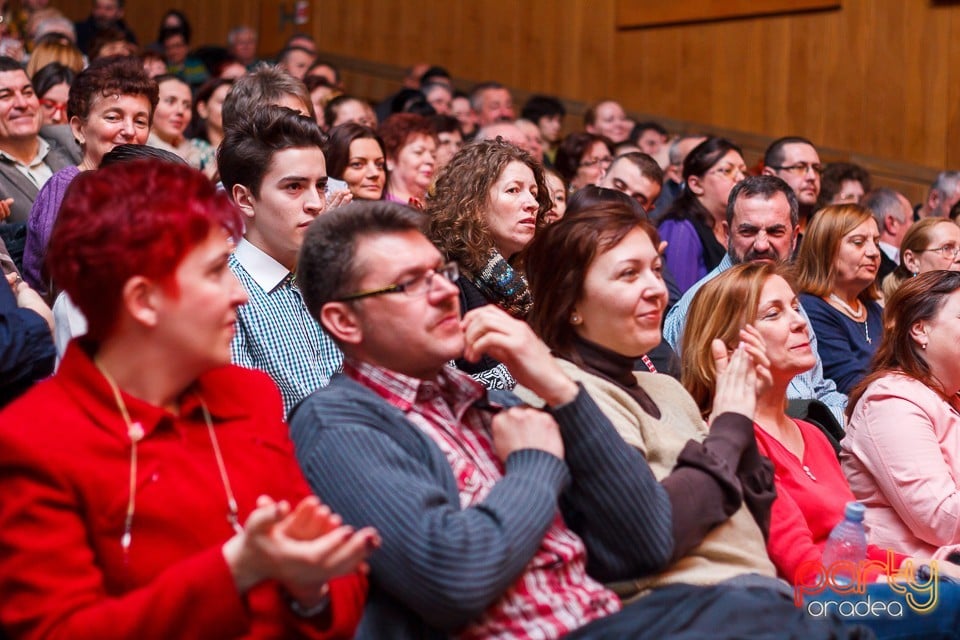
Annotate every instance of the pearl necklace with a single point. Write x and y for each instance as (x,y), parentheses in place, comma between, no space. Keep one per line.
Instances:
(857,316)
(136,433)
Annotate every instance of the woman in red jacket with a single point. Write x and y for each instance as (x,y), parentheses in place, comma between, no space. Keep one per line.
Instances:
(149,489)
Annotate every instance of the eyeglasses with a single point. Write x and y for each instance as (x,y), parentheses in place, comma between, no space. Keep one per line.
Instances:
(948,251)
(418,286)
(605,162)
(730,171)
(801,168)
(53,106)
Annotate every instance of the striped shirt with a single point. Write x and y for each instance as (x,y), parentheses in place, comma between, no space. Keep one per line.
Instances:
(275,332)
(554,595)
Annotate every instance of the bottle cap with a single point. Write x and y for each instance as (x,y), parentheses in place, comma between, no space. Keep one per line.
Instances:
(854,511)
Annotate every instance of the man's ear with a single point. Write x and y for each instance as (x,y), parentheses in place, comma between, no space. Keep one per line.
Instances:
(342,322)
(767,171)
(890,225)
(244,199)
(139,298)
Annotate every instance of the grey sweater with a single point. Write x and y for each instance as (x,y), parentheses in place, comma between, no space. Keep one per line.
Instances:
(440,566)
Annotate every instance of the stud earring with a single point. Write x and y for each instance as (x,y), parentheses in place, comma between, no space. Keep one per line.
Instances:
(924,346)
(575,318)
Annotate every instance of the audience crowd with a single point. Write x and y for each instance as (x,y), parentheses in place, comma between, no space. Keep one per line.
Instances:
(277,360)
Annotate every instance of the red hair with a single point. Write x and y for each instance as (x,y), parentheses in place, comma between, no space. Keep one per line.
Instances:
(397,130)
(128,219)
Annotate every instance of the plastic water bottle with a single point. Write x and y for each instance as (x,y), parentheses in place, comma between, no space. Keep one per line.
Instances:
(847,543)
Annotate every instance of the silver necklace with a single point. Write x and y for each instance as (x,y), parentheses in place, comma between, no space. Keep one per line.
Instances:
(856,315)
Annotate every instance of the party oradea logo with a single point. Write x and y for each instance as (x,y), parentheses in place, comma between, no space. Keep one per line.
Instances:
(842,588)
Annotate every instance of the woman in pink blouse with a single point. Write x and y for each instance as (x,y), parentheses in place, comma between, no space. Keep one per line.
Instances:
(902,450)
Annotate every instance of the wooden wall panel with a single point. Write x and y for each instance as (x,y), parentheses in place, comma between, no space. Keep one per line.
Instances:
(875,80)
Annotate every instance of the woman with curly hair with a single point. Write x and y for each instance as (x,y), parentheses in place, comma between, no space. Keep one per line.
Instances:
(487,204)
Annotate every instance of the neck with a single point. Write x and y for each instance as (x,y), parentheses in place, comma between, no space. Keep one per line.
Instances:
(23,149)
(848,293)
(288,262)
(215,136)
(153,376)
(770,411)
(173,141)
(88,164)
(404,192)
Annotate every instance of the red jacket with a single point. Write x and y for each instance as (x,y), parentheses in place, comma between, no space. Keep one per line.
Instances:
(64,478)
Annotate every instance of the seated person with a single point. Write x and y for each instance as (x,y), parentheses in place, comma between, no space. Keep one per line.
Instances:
(273,168)
(837,276)
(900,453)
(148,490)
(597,281)
(811,490)
(465,490)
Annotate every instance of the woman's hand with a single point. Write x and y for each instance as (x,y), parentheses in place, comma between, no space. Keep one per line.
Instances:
(301,548)
(742,376)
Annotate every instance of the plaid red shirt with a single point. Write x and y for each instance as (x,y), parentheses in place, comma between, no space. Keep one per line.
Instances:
(554,595)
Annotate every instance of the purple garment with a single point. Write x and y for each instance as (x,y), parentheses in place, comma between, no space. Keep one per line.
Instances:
(40,225)
(684,254)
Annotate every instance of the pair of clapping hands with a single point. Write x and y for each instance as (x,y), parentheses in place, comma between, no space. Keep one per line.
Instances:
(743,374)
(300,547)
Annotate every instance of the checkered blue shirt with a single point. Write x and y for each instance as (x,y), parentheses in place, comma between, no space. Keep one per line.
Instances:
(809,385)
(275,332)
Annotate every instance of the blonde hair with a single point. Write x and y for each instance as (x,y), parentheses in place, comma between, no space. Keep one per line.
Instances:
(718,311)
(815,270)
(55,50)
(918,238)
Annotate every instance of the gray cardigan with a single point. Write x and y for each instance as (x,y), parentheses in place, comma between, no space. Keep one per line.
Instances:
(441,566)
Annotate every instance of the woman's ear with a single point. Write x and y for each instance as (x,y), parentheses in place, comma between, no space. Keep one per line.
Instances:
(918,333)
(911,261)
(695,185)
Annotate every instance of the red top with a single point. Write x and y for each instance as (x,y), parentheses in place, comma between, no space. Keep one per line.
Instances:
(811,496)
(64,485)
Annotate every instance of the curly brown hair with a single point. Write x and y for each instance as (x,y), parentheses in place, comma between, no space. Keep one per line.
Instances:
(456,209)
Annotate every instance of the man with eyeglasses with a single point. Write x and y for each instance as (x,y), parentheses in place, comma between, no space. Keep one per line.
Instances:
(465,483)
(489,511)
(273,168)
(795,161)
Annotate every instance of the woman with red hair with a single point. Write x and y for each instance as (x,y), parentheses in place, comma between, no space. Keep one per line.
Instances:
(149,489)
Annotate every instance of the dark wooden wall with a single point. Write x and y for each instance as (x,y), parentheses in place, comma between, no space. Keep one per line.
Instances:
(874,81)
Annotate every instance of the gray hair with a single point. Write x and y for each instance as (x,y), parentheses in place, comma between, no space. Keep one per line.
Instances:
(882,203)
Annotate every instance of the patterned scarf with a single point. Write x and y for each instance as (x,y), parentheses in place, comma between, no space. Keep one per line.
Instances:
(504,285)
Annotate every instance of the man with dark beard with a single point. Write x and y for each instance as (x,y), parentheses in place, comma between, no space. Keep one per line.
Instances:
(762,225)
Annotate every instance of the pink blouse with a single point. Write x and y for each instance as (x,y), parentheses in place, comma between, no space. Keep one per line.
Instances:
(901,456)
